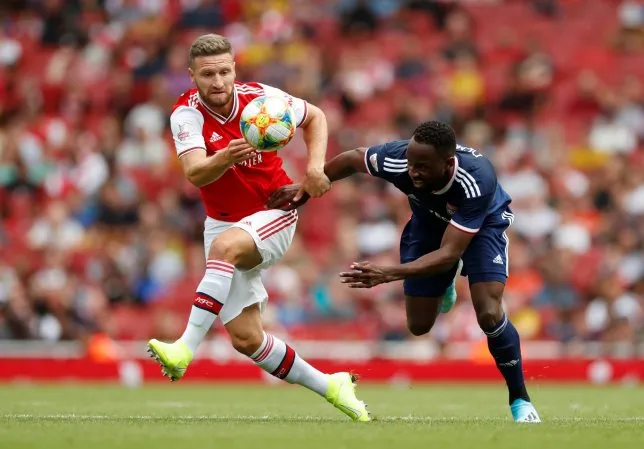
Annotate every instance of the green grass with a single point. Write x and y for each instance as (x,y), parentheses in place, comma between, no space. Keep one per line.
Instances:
(180,416)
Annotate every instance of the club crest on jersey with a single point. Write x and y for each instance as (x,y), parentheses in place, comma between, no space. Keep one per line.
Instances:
(451,210)
(183,133)
(373,160)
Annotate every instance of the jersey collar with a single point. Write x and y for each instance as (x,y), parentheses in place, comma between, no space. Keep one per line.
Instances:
(451,181)
(220,118)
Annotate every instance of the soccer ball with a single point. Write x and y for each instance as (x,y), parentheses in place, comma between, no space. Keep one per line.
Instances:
(267,123)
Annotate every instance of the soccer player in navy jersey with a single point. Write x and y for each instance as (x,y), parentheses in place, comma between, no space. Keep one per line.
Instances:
(459,213)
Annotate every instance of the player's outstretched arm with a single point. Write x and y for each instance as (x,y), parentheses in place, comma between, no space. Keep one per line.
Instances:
(201,169)
(367,275)
(346,164)
(342,166)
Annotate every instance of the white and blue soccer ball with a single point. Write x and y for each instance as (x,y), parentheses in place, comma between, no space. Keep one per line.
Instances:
(267,123)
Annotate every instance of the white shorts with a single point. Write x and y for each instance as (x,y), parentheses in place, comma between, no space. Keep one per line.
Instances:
(272,230)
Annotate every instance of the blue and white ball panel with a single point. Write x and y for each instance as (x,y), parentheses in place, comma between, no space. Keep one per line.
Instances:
(297,105)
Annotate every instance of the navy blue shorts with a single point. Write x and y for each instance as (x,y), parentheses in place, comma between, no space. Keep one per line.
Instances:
(484,260)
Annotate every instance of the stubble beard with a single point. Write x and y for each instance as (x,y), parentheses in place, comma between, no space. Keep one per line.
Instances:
(216,103)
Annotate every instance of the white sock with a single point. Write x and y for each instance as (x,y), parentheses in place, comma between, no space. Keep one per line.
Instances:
(279,359)
(209,299)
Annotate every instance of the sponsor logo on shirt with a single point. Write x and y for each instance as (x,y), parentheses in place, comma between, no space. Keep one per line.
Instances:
(373,160)
(183,133)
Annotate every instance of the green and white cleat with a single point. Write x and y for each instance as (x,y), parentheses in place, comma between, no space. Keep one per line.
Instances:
(449,298)
(174,358)
(342,394)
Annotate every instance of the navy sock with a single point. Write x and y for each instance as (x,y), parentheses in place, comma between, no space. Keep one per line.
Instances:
(505,346)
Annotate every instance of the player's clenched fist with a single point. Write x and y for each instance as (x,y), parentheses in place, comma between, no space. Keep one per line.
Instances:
(238,150)
(315,183)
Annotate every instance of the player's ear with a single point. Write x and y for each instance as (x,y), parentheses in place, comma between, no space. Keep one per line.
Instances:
(192,75)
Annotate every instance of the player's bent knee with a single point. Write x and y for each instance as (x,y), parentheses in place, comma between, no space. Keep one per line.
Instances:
(226,249)
(489,315)
(237,248)
(247,342)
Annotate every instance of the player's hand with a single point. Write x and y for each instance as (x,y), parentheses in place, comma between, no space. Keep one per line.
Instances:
(315,183)
(284,198)
(366,275)
(238,150)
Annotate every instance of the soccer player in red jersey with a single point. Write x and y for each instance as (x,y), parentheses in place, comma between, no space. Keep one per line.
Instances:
(241,237)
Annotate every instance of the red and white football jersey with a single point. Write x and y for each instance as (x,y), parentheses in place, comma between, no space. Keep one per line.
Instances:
(244,188)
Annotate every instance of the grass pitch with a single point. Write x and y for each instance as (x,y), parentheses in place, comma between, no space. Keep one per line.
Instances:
(180,416)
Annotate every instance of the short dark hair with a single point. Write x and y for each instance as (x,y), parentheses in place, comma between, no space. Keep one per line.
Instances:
(437,134)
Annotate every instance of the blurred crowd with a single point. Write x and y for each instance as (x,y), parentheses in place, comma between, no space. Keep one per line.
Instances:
(100,233)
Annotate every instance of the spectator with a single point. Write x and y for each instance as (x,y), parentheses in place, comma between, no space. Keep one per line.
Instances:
(96,217)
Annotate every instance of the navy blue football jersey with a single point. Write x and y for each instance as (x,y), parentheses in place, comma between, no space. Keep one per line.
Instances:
(471,200)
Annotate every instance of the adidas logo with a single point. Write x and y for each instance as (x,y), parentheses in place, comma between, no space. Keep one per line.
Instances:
(531,417)
(215,137)
(509,364)
(498,259)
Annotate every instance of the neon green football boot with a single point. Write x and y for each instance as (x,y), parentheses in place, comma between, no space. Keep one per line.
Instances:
(449,298)
(342,395)
(174,358)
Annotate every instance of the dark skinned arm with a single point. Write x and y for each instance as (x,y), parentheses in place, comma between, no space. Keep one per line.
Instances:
(342,166)
(453,245)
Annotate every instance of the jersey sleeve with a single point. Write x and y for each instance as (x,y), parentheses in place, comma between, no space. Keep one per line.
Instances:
(298,105)
(187,130)
(387,161)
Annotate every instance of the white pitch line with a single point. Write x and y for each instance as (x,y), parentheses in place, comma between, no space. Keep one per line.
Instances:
(419,419)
